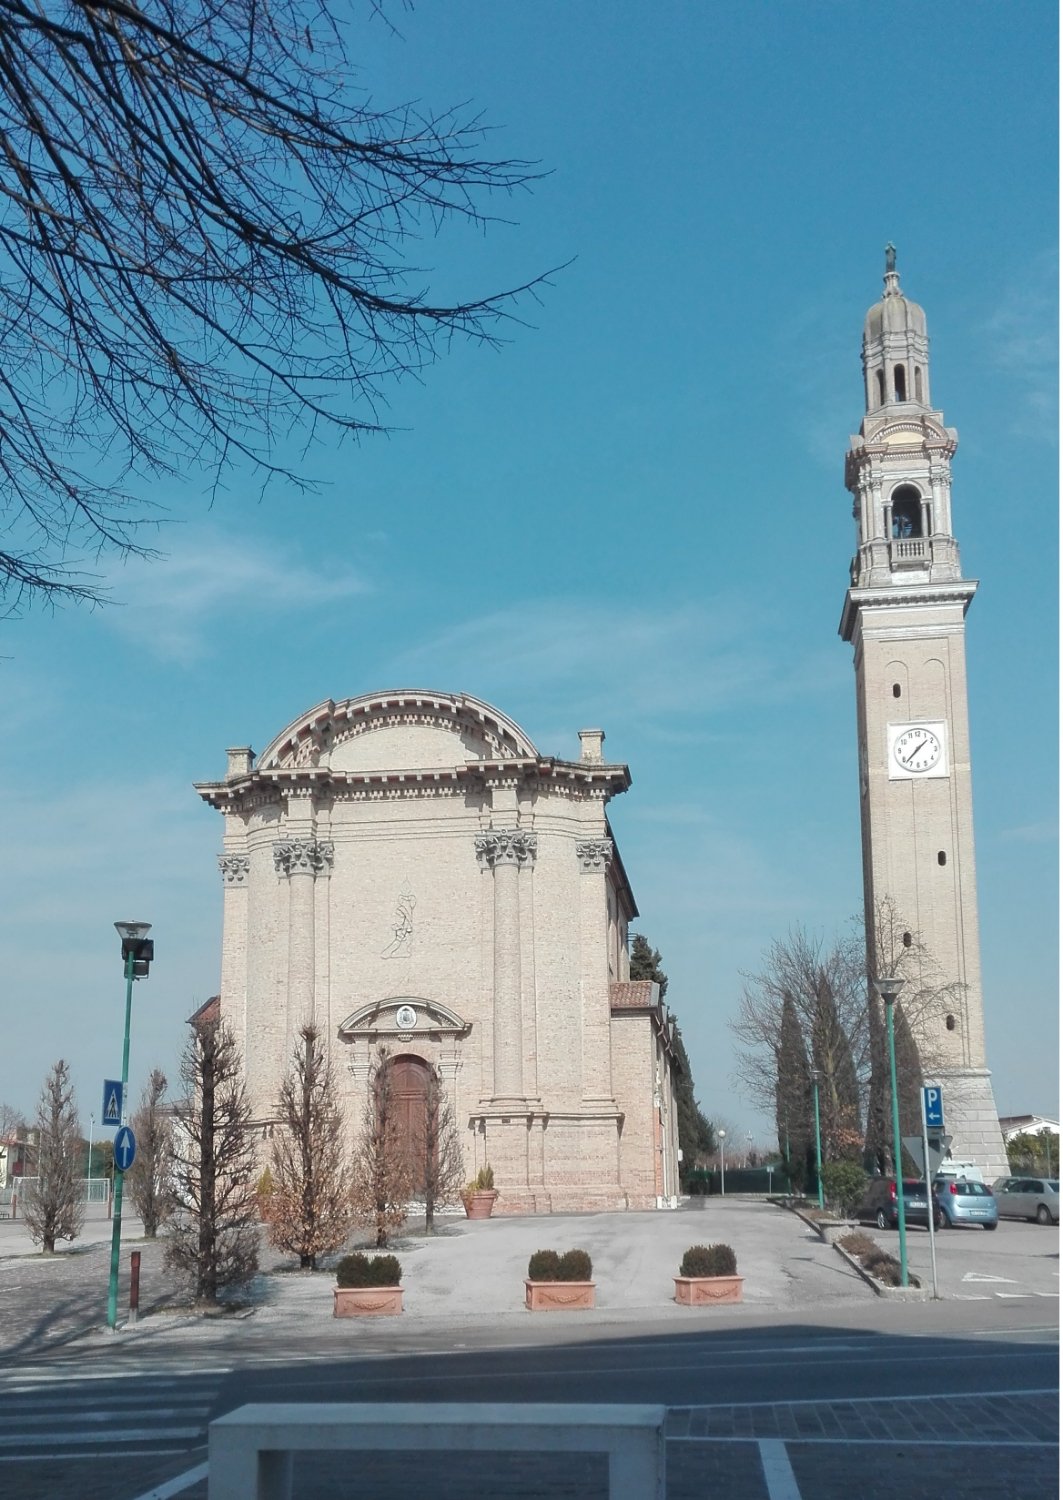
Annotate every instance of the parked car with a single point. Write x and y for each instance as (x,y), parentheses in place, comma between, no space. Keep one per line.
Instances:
(880,1203)
(1028,1198)
(958,1200)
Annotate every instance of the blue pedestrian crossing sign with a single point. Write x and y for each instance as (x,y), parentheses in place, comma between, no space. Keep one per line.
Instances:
(112,1102)
(933,1108)
(125,1149)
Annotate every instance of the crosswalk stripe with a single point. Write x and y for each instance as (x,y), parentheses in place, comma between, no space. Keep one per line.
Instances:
(111,1436)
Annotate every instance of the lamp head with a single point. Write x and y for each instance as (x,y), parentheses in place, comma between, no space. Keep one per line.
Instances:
(889,987)
(133,930)
(136,946)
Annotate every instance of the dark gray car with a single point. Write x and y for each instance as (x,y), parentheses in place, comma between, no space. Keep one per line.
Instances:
(880,1203)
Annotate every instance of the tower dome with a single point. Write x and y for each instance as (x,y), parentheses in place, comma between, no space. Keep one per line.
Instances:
(896,347)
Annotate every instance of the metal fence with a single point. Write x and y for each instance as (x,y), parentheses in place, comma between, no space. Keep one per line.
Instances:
(95,1190)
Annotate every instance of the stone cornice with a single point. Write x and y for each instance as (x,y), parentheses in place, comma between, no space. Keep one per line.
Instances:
(911,596)
(575,779)
(329,723)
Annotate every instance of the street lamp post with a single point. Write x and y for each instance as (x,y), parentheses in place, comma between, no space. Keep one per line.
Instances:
(889,988)
(819,1149)
(92,1131)
(721,1134)
(137,952)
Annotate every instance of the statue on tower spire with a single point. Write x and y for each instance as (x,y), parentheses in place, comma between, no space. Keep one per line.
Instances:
(891,256)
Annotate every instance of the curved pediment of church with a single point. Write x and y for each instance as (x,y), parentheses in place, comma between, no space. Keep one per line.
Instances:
(403,1016)
(398,731)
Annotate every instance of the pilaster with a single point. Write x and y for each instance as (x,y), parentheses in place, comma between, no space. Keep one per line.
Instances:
(505,851)
(594,856)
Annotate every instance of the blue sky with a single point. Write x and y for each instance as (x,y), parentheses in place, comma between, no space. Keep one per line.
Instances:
(632,515)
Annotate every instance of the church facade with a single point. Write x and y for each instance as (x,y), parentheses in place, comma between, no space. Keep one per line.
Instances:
(406,870)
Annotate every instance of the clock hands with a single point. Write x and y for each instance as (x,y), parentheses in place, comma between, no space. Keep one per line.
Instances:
(908,759)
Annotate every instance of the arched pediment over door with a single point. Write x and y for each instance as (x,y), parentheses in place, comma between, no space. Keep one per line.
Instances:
(403,1018)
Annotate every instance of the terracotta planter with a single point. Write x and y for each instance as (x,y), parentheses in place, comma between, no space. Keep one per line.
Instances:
(558,1296)
(480,1205)
(706,1291)
(366,1301)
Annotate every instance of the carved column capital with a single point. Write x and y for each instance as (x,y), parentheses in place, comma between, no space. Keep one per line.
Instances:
(234,868)
(594,855)
(303,856)
(506,846)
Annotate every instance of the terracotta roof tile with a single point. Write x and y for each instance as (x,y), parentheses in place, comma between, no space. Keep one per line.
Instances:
(634,994)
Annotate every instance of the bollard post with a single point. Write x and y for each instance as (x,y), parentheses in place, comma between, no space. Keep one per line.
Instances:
(134,1285)
(14,1206)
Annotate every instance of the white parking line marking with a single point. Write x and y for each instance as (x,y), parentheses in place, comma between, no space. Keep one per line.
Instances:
(977,1276)
(778,1475)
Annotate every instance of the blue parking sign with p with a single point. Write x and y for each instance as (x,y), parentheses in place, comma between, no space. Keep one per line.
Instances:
(933,1108)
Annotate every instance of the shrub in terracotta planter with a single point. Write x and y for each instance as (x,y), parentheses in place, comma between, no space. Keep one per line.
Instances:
(367,1286)
(708,1275)
(559,1283)
(478,1196)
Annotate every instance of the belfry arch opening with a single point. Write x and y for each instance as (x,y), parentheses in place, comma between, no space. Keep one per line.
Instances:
(906,513)
(900,383)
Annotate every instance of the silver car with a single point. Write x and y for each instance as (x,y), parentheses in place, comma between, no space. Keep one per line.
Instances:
(1028,1198)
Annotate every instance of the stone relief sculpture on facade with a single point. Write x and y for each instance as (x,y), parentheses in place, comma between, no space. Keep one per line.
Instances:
(399,947)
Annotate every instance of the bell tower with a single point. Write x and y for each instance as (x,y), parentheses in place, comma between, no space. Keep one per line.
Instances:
(905,615)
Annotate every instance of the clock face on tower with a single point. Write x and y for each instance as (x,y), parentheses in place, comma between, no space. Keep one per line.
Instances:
(916,750)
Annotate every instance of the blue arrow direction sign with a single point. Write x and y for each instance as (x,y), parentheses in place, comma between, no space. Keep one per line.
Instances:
(933,1108)
(125,1149)
(112,1102)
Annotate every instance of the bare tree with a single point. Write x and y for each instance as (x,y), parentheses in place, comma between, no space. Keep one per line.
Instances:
(53,1205)
(439,1151)
(309,1203)
(12,1122)
(807,1008)
(149,1179)
(203,228)
(382,1177)
(213,1241)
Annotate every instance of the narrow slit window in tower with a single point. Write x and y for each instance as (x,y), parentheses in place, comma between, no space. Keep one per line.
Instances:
(899,384)
(918,383)
(880,381)
(907,512)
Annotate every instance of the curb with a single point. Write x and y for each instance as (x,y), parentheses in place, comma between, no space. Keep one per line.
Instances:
(828,1232)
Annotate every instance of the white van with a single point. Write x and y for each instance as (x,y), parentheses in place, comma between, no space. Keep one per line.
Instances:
(968,1171)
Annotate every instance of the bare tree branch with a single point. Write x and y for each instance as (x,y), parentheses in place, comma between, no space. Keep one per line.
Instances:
(203,235)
